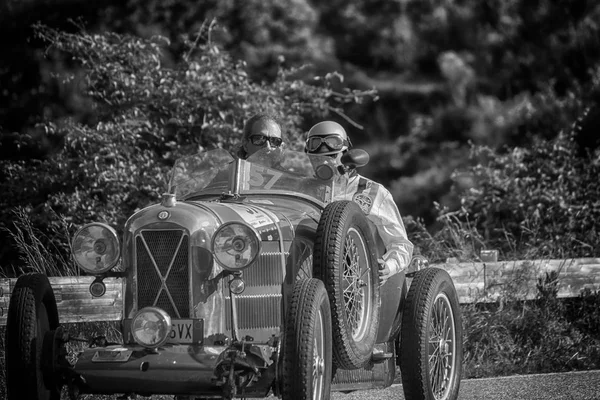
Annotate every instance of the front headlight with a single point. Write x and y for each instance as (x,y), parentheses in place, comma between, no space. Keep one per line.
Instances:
(151,327)
(235,245)
(96,248)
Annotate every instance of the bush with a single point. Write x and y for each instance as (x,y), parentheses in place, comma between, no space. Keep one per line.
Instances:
(522,337)
(535,202)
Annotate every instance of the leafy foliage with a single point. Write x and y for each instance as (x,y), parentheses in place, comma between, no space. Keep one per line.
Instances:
(530,337)
(535,202)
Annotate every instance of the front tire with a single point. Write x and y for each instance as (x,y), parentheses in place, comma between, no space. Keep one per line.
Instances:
(431,338)
(31,314)
(307,350)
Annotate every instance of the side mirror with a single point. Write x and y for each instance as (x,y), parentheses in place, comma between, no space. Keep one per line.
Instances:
(355,158)
(417,263)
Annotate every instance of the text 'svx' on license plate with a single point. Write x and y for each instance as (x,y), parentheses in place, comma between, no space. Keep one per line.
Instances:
(114,355)
(185,331)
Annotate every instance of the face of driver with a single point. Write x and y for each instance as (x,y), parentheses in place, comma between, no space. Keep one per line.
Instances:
(264,133)
(325,150)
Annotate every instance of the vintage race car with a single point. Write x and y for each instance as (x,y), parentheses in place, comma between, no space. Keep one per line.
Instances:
(249,279)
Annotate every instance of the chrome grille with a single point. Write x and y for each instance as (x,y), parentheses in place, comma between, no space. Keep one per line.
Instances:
(256,311)
(259,306)
(163,255)
(266,272)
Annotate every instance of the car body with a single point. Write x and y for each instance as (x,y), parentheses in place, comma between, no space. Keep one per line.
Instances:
(249,278)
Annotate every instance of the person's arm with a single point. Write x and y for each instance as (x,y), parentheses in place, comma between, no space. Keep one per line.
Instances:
(391,229)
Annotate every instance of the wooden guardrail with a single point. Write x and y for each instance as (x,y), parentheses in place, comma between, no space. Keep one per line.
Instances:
(489,281)
(75,303)
(474,282)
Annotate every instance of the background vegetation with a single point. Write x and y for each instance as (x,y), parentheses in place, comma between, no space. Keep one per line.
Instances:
(480,116)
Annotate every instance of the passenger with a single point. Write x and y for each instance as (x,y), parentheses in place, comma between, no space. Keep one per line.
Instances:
(262,130)
(330,139)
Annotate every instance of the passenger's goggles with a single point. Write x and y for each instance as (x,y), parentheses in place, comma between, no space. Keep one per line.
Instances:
(334,142)
(261,140)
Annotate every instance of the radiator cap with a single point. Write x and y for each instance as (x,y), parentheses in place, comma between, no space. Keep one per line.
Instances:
(168,200)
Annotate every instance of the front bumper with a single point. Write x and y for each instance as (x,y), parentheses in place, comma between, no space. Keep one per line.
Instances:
(172,369)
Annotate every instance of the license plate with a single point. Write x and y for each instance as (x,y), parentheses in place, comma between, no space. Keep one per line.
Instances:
(111,356)
(186,331)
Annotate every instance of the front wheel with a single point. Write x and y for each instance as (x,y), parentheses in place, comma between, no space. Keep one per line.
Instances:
(31,314)
(307,349)
(431,338)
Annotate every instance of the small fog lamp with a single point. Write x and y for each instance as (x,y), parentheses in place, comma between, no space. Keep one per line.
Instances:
(417,263)
(97,288)
(237,285)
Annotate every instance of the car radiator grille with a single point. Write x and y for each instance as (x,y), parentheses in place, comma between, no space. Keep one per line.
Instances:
(260,304)
(162,256)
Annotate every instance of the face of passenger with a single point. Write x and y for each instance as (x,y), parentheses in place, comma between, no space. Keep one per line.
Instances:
(263,134)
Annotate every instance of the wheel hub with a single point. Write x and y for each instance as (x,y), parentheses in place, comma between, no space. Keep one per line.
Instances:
(319,366)
(444,347)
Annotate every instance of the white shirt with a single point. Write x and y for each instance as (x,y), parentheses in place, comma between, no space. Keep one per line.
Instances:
(379,206)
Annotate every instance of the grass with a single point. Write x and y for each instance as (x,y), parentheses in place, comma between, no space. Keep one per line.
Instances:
(36,251)
(538,336)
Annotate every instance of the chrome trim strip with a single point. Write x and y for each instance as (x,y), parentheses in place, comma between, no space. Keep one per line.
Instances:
(234,316)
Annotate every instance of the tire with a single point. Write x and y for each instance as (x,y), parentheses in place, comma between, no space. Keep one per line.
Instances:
(431,338)
(307,353)
(31,314)
(346,262)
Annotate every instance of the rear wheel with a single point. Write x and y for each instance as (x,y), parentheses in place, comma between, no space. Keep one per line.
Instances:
(345,260)
(32,313)
(431,338)
(307,350)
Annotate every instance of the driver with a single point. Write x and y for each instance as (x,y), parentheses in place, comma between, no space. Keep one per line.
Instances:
(329,138)
(261,131)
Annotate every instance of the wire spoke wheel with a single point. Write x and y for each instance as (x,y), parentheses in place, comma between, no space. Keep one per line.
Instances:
(357,283)
(431,338)
(442,346)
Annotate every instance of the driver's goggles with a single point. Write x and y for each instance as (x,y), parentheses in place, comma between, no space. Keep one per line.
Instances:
(261,140)
(334,142)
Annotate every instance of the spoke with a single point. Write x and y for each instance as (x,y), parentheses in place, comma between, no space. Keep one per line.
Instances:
(439,319)
(434,377)
(432,368)
(355,276)
(435,347)
(444,318)
(349,290)
(432,358)
(448,333)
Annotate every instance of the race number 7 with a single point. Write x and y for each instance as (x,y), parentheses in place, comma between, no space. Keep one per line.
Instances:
(258,175)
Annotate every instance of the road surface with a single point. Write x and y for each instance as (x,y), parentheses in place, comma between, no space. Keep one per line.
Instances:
(555,386)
